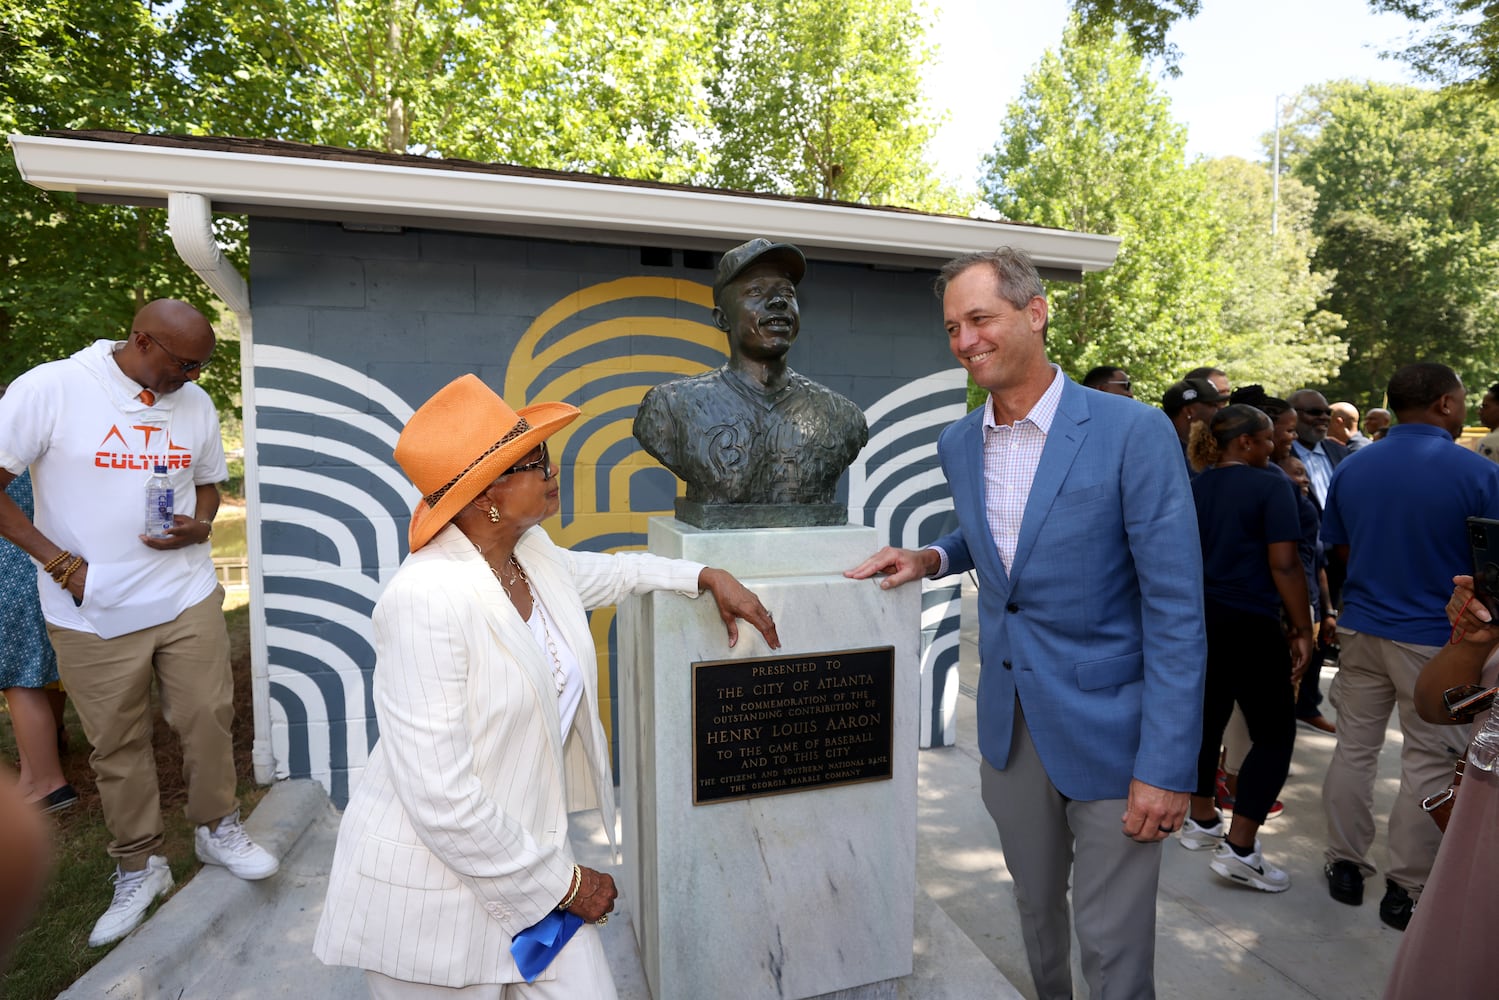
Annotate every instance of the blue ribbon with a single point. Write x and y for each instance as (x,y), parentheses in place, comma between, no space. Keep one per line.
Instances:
(536,946)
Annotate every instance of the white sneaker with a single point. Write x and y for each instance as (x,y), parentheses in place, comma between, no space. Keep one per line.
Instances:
(1196,837)
(134,892)
(1252,871)
(231,847)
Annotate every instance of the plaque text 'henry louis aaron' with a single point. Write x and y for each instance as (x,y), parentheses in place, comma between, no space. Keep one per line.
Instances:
(784,724)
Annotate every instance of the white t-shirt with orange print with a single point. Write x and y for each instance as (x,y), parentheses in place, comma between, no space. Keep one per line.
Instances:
(91,445)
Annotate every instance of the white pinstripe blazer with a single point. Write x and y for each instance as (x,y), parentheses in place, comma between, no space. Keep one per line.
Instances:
(456,837)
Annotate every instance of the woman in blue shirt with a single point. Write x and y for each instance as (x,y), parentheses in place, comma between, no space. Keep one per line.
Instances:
(1249,526)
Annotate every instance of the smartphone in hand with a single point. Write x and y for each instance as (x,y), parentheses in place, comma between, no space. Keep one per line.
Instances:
(1483,539)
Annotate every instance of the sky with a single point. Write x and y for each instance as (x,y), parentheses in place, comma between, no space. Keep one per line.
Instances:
(1237,57)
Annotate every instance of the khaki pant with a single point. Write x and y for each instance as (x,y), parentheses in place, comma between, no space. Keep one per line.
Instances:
(1376,676)
(109,681)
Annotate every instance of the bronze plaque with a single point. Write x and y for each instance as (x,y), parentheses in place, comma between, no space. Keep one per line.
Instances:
(789,723)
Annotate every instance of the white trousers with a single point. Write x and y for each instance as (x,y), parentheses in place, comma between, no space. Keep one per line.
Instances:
(582,974)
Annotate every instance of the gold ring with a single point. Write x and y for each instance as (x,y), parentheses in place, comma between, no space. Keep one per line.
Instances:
(602,920)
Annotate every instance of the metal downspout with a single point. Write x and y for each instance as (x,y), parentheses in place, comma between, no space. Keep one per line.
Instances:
(190,221)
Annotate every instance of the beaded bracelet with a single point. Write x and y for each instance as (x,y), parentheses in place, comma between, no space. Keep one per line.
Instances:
(61,568)
(50,567)
(576,885)
(62,581)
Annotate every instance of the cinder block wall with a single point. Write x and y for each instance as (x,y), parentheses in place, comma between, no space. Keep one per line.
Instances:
(353,330)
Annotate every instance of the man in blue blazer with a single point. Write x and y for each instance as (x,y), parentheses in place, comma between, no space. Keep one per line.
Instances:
(1074,508)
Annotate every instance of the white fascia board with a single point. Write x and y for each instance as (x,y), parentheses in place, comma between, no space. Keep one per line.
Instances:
(426,197)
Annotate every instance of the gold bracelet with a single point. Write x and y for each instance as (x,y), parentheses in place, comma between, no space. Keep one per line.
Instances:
(51,566)
(68,573)
(576,885)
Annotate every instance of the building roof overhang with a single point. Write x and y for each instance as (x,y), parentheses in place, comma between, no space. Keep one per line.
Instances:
(293,180)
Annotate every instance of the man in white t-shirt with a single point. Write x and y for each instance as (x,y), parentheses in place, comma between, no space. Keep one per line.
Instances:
(123,608)
(1488,415)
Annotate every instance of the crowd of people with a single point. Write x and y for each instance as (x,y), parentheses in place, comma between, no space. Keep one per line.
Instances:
(1311,554)
(1236,541)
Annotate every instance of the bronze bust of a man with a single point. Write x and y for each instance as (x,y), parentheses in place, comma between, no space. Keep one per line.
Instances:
(757,444)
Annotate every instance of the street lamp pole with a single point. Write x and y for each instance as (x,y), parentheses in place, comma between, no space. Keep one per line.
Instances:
(1275,171)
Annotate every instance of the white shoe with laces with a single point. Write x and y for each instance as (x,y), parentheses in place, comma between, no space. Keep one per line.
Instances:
(232,848)
(134,892)
(1253,871)
(1196,837)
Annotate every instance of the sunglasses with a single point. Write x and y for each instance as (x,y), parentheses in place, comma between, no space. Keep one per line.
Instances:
(1314,411)
(544,463)
(188,367)
(1119,381)
(1467,700)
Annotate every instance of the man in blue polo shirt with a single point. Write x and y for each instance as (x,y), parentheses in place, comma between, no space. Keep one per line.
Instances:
(1396,515)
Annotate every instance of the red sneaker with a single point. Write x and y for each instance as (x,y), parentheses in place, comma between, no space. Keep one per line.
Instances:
(1225,799)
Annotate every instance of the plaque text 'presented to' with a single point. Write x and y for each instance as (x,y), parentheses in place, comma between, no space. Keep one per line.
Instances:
(785,724)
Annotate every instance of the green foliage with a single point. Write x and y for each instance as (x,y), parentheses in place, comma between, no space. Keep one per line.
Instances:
(1408,214)
(1462,45)
(611,88)
(823,98)
(1145,23)
(809,98)
(1273,331)
(71,273)
(1090,145)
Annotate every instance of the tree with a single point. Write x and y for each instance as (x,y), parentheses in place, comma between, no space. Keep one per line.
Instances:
(1274,333)
(838,112)
(71,273)
(621,89)
(1408,212)
(610,88)
(1090,145)
(1462,47)
(1145,23)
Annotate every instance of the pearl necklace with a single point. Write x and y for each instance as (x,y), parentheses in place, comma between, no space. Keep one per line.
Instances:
(559,676)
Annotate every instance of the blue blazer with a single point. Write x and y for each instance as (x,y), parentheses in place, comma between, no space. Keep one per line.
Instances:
(1098,624)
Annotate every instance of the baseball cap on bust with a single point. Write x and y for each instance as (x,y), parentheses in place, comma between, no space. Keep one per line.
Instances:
(738,260)
(1190,390)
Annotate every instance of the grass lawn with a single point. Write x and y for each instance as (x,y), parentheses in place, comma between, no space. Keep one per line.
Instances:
(54,950)
(229,532)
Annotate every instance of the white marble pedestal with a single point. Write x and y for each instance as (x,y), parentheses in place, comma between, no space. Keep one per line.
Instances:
(782,896)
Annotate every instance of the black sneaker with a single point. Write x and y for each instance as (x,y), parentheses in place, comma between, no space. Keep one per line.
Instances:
(1396,907)
(1345,882)
(58,800)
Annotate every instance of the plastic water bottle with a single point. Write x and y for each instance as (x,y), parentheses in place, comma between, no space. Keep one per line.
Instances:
(159,506)
(1484,753)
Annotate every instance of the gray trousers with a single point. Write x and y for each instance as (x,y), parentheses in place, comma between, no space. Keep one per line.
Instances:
(1045,835)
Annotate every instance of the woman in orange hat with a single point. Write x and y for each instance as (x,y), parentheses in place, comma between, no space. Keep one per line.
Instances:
(453,874)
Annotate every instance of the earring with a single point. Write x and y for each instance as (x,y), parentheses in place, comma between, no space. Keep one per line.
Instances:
(494,514)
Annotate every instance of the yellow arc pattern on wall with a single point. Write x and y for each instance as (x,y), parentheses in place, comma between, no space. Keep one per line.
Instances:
(564,369)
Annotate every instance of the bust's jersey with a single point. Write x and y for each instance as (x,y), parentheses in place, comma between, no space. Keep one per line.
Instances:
(732,443)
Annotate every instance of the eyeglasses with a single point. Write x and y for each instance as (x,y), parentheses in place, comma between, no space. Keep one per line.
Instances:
(544,463)
(1314,411)
(1120,382)
(188,367)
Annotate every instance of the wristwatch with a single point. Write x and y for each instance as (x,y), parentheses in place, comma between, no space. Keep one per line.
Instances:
(208,536)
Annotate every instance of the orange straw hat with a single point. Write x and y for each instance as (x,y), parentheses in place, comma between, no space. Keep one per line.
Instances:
(460,440)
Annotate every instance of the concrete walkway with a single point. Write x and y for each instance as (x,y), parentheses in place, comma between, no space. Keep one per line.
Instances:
(1215,939)
(219,937)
